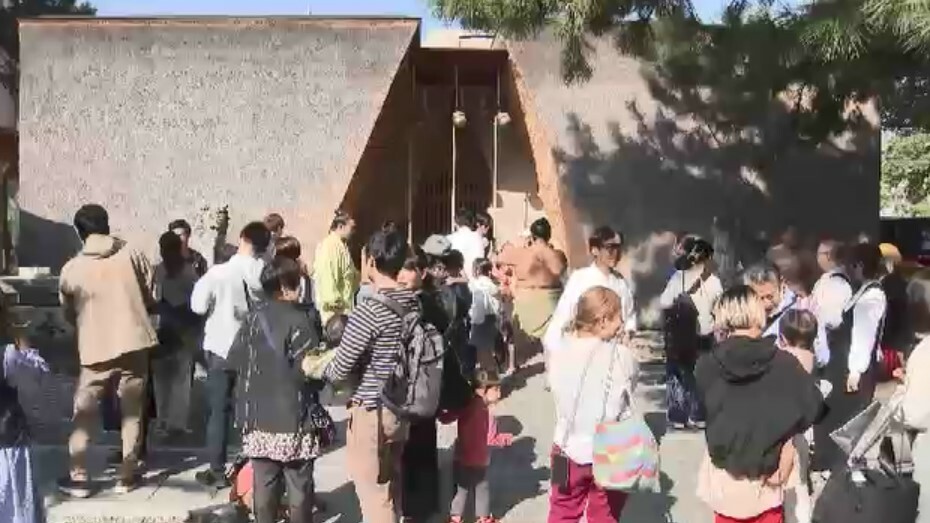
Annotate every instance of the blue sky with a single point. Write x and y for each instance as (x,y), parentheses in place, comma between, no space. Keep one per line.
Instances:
(709,9)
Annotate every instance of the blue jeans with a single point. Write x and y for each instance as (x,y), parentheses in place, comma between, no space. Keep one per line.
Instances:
(221,381)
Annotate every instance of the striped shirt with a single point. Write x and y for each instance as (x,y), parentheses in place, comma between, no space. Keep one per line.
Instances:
(369,347)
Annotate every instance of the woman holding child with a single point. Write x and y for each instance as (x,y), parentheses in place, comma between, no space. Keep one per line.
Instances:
(757,399)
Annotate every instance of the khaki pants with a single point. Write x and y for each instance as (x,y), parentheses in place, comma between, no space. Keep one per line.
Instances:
(374,446)
(132,370)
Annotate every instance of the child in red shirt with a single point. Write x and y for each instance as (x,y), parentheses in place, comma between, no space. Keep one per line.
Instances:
(477,431)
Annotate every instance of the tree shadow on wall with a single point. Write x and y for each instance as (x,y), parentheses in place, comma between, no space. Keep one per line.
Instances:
(673,174)
(45,243)
(734,139)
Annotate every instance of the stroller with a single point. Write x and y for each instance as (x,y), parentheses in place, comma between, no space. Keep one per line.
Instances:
(874,484)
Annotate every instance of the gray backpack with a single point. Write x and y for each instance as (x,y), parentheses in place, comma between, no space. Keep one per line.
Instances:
(413,389)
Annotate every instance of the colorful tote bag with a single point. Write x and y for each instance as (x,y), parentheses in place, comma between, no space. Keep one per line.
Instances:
(626,456)
(626,453)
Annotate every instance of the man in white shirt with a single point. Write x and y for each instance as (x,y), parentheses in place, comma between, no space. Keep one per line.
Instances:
(831,293)
(467,240)
(224,295)
(852,369)
(606,247)
(868,307)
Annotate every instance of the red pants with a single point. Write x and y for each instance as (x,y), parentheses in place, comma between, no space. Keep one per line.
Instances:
(584,498)
(776,515)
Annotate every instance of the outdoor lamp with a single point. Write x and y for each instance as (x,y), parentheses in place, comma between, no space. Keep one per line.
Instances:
(458,119)
(502,119)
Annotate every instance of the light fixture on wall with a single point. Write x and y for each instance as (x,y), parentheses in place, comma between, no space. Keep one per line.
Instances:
(458,122)
(459,119)
(502,119)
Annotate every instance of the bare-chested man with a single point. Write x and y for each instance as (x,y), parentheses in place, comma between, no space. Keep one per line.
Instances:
(538,270)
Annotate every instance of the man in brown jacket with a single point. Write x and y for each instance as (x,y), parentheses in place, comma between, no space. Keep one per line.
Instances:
(106,293)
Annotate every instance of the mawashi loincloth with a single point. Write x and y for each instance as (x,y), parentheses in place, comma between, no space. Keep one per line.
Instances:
(533,308)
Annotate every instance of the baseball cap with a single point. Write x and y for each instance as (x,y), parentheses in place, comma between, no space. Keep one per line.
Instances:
(437,245)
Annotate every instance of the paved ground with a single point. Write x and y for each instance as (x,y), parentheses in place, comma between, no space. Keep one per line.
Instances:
(519,474)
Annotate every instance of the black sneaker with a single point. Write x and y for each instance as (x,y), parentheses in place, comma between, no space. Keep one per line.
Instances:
(212,478)
(75,489)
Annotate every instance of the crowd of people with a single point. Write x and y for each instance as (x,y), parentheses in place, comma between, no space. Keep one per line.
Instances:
(772,364)
(767,365)
(269,334)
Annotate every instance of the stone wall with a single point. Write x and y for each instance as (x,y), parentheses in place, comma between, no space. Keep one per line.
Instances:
(610,152)
(158,119)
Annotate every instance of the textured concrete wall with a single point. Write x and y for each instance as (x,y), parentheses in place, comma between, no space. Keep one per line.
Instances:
(155,119)
(608,151)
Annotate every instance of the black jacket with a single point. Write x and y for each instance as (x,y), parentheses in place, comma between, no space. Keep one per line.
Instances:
(272,393)
(897,333)
(756,397)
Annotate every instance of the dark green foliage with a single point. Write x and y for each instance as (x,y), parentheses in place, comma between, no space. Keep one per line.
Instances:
(820,57)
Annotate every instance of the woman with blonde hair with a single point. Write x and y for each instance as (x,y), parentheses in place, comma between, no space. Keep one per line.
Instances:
(591,377)
(757,398)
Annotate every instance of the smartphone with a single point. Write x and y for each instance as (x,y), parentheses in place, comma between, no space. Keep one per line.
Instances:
(560,472)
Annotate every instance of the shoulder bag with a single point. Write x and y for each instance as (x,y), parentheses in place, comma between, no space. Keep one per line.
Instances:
(626,453)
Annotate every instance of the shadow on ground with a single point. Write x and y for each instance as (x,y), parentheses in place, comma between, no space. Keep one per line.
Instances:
(651,508)
(515,477)
(522,377)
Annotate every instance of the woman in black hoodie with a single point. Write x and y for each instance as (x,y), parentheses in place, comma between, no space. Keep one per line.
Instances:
(757,397)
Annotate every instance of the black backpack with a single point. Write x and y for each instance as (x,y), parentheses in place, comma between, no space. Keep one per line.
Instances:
(458,376)
(413,389)
(681,326)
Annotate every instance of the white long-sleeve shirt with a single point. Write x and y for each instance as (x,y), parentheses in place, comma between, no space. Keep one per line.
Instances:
(868,308)
(579,282)
(830,295)
(221,297)
(485,299)
(579,377)
(704,297)
(471,244)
